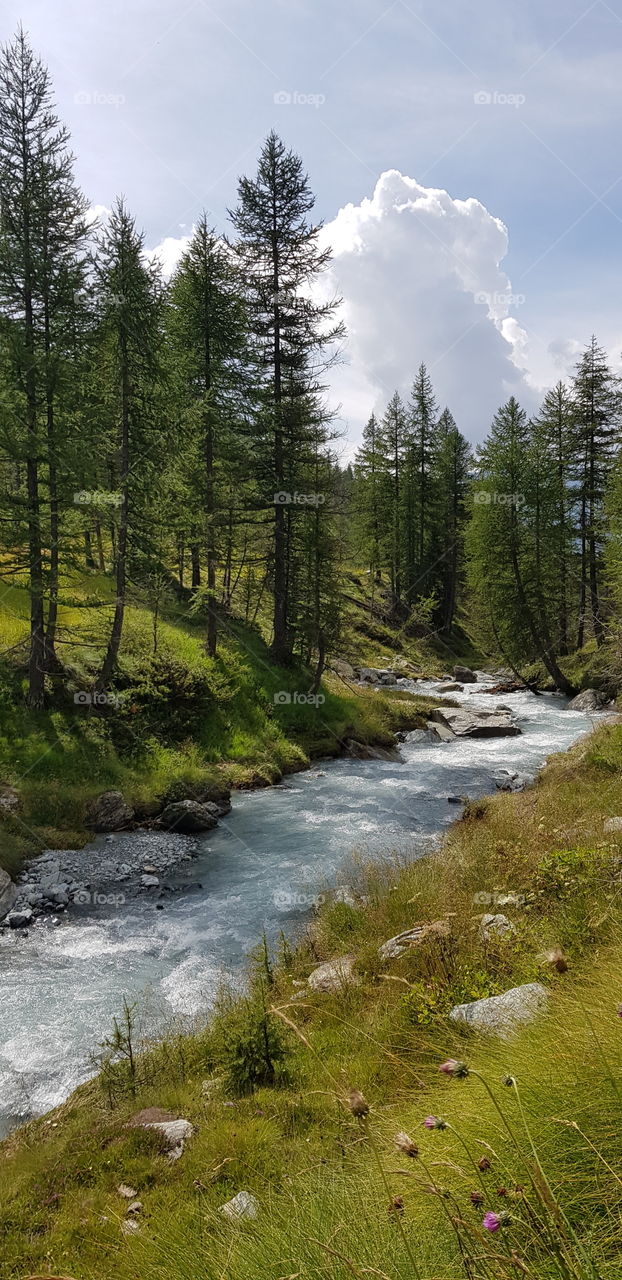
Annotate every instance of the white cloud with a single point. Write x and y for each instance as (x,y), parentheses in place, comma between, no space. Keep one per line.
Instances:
(421,280)
(168,253)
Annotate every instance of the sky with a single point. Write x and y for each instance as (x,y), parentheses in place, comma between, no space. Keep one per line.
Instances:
(465,158)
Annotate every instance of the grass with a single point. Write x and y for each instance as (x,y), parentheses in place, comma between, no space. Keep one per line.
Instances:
(182,719)
(278,1124)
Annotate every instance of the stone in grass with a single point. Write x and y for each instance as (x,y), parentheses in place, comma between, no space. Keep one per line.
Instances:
(402,942)
(501,1015)
(244,1205)
(611,825)
(495,926)
(174,1131)
(128,1193)
(334,975)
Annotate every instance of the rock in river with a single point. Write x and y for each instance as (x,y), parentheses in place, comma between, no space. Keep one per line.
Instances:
(589,700)
(465,675)
(8,893)
(475,724)
(189,815)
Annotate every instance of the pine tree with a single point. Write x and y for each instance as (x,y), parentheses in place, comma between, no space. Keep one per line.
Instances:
(130,305)
(280,257)
(42,233)
(207,328)
(553,436)
(597,400)
(418,495)
(450,483)
(394,442)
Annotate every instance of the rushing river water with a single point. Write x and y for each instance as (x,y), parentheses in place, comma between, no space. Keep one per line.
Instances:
(261,869)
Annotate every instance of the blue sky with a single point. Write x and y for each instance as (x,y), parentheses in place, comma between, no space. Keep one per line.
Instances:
(168,103)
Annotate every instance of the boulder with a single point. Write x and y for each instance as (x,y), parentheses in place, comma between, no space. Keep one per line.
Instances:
(464,675)
(149,882)
(589,700)
(175,1133)
(441,732)
(8,893)
(189,815)
(244,1205)
(377,675)
(450,688)
(363,751)
(334,975)
(343,668)
(495,926)
(508,781)
(475,724)
(109,812)
(501,1015)
(20,918)
(402,942)
(612,825)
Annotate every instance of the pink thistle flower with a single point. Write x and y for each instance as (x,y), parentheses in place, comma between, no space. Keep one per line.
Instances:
(491,1221)
(458,1070)
(435,1122)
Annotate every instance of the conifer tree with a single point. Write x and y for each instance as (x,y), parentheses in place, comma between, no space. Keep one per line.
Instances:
(280,257)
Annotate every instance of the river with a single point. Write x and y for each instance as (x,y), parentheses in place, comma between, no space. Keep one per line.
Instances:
(262,868)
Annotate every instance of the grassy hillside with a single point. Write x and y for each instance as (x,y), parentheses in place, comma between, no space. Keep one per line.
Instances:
(531,1135)
(175,718)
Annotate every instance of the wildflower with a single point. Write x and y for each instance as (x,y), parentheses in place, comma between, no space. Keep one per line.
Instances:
(406,1145)
(620,1010)
(483,1164)
(458,1070)
(435,1122)
(477,1198)
(509,1081)
(493,1221)
(358,1104)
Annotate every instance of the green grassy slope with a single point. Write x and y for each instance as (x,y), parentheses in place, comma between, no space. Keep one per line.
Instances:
(181,718)
(337,1199)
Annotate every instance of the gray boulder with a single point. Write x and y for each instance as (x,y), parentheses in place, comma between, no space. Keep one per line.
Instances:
(109,812)
(402,942)
(501,1015)
(464,675)
(475,724)
(441,732)
(508,781)
(190,815)
(20,919)
(8,893)
(334,975)
(589,700)
(363,751)
(452,687)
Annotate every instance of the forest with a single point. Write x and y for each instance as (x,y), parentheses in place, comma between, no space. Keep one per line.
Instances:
(174,436)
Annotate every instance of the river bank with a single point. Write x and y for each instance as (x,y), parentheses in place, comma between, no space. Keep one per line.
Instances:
(545,848)
(264,869)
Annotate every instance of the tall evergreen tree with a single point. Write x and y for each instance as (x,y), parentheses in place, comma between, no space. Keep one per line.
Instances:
(597,400)
(129,334)
(280,257)
(42,233)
